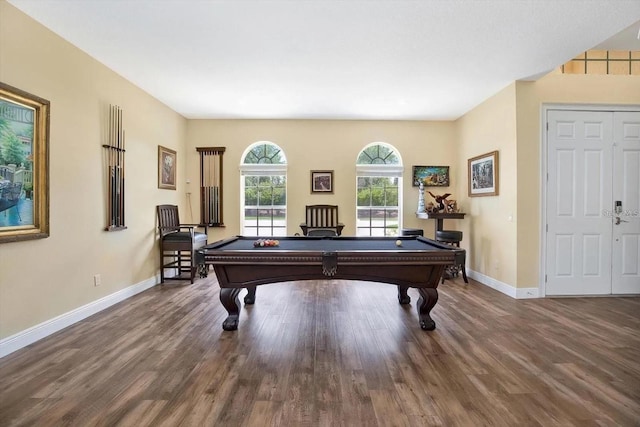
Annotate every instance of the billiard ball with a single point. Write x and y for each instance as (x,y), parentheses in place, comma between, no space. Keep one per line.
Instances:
(398,242)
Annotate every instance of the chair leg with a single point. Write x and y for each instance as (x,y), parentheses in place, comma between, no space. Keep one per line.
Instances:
(193,266)
(161,266)
(182,262)
(464,274)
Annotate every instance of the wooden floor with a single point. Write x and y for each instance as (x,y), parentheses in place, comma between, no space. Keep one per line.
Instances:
(331,353)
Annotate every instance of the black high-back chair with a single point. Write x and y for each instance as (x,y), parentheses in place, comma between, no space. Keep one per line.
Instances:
(178,243)
(321,217)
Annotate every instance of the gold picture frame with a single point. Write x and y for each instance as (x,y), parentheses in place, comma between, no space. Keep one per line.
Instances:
(167,164)
(322,182)
(430,176)
(483,173)
(24,165)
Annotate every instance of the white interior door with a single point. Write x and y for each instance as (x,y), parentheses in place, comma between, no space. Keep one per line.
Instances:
(626,191)
(579,183)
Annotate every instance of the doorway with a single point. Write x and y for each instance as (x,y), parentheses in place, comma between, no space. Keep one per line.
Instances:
(592,202)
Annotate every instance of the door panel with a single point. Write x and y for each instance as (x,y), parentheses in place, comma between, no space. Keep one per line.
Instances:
(626,189)
(579,232)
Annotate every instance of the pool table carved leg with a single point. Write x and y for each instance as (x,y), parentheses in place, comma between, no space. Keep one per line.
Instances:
(231,302)
(428,299)
(250,298)
(403,298)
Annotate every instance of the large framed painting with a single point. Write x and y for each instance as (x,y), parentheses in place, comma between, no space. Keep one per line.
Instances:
(167,163)
(24,165)
(431,176)
(483,175)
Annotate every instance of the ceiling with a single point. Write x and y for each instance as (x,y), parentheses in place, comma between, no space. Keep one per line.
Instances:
(334,59)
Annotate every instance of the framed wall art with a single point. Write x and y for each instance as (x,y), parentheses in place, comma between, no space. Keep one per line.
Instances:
(24,165)
(167,164)
(322,181)
(483,175)
(431,176)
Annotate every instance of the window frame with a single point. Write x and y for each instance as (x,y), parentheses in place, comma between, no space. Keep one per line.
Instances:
(380,170)
(261,170)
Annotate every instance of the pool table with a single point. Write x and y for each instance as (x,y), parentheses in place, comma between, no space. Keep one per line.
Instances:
(407,261)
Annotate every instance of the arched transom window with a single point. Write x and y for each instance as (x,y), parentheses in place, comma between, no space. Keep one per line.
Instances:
(378,188)
(263,178)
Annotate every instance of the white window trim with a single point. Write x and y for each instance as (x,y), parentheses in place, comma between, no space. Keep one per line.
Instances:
(380,170)
(265,169)
(384,170)
(260,169)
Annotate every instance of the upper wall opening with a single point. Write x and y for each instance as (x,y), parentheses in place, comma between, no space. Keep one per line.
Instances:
(603,62)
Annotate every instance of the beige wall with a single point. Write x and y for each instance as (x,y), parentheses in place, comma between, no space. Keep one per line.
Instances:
(42,279)
(558,89)
(45,278)
(490,227)
(321,145)
(503,233)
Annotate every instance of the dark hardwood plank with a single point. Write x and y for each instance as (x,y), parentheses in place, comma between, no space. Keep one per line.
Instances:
(335,353)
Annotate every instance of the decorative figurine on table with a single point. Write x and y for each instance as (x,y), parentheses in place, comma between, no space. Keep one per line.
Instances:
(440,200)
(450,206)
(421,198)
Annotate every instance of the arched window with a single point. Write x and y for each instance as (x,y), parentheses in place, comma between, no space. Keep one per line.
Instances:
(263,179)
(379,191)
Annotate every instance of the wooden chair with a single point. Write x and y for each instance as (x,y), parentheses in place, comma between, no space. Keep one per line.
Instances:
(178,243)
(322,217)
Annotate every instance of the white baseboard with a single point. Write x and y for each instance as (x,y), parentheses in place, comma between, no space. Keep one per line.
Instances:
(527,293)
(51,326)
(512,291)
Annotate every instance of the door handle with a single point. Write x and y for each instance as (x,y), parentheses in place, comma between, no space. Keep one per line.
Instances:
(618,220)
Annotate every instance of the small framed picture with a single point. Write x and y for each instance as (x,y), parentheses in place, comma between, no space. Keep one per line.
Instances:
(322,181)
(431,176)
(167,164)
(483,175)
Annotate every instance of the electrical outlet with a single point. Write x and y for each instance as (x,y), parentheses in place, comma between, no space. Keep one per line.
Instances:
(96,280)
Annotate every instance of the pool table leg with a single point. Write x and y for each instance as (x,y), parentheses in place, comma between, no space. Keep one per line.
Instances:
(250,298)
(428,299)
(230,301)
(403,298)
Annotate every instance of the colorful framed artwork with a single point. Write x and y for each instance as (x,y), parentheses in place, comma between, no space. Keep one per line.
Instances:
(322,181)
(431,176)
(167,164)
(483,175)
(24,165)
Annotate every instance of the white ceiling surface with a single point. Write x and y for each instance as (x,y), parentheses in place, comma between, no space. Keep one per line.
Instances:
(340,59)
